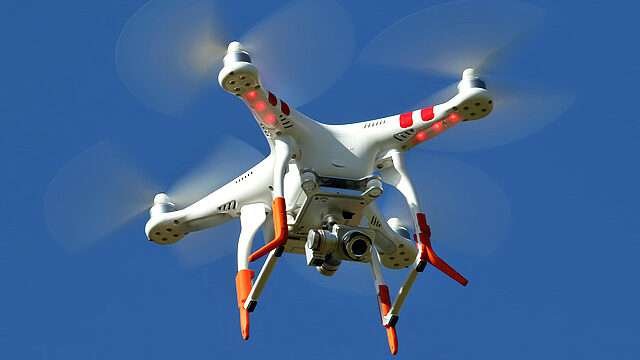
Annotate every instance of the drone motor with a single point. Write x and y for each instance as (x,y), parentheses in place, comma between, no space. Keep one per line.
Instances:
(399,227)
(161,204)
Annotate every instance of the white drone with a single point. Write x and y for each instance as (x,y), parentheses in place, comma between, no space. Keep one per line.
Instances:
(318,184)
(315,193)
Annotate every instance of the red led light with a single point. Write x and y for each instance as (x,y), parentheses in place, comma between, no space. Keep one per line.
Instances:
(251,95)
(437,126)
(454,117)
(260,106)
(269,119)
(421,136)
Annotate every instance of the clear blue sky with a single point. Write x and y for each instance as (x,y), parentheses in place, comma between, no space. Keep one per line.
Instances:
(562,286)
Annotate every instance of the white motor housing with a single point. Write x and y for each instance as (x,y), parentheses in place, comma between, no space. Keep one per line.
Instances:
(399,227)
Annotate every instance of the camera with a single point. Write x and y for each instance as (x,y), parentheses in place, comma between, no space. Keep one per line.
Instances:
(326,249)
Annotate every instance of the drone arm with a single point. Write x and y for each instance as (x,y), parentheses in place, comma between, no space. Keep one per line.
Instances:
(283,149)
(240,77)
(405,131)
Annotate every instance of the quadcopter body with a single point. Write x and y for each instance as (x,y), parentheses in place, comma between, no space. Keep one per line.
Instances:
(315,194)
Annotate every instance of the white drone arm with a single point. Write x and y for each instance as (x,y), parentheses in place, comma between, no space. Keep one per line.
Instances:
(241,78)
(404,131)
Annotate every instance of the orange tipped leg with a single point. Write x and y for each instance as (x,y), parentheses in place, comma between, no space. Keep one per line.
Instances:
(392,337)
(427,254)
(244,324)
(384,302)
(243,287)
(279,209)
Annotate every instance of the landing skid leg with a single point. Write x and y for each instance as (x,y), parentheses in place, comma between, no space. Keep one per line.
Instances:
(251,219)
(396,175)
(263,277)
(384,301)
(282,150)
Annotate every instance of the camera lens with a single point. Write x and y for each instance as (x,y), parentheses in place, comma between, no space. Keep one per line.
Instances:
(356,245)
(359,247)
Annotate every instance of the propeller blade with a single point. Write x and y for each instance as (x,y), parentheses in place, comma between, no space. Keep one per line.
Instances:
(519,111)
(229,159)
(467,211)
(94,194)
(445,39)
(440,96)
(205,247)
(169,51)
(298,55)
(448,38)
(101,190)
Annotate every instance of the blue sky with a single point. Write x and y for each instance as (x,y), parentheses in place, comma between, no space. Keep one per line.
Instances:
(562,285)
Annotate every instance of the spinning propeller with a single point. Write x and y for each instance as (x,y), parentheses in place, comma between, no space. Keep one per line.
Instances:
(444,40)
(467,210)
(171,50)
(101,190)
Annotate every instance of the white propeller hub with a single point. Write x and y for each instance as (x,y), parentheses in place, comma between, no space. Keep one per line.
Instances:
(235,46)
(161,199)
(469,74)
(470,80)
(161,204)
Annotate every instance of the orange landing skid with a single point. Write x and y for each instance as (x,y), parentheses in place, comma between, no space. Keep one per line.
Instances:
(243,287)
(280,226)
